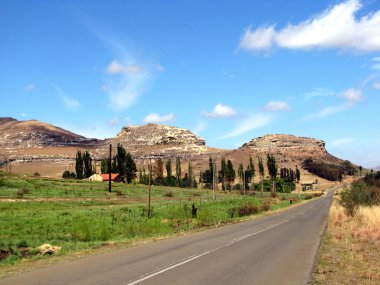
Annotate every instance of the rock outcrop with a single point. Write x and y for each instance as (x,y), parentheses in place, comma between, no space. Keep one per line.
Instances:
(287,145)
(35,134)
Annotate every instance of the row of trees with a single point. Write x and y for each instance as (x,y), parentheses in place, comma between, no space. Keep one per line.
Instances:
(84,167)
(155,174)
(121,163)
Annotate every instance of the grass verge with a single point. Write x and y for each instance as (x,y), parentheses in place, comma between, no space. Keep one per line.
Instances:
(350,251)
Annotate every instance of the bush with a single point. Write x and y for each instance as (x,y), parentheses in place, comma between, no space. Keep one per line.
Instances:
(169,194)
(266,206)
(36,174)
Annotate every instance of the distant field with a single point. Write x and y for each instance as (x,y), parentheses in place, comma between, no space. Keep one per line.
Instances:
(77,215)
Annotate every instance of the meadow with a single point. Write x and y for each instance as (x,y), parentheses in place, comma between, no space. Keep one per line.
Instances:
(79,215)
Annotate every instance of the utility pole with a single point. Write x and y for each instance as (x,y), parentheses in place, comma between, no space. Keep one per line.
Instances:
(213,180)
(110,170)
(149,187)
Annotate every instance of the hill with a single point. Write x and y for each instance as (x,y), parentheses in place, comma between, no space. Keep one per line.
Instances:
(50,149)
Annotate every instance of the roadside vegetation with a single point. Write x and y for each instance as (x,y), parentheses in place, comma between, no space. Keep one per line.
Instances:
(75,215)
(350,252)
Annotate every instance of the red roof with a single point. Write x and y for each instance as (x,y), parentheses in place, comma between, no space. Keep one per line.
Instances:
(106,176)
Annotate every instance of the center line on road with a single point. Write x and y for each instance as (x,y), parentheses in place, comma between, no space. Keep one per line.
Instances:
(193,257)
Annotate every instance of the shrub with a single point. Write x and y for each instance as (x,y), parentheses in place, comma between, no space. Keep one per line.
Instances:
(266,206)
(36,174)
(273,194)
(22,243)
(169,194)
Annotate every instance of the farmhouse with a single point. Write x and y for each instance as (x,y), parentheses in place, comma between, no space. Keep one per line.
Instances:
(115,177)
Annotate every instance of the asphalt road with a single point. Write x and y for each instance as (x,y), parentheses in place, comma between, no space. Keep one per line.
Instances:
(276,249)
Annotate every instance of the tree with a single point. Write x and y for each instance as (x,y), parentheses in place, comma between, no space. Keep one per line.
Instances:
(178,171)
(158,169)
(104,165)
(261,173)
(130,168)
(298,174)
(190,171)
(252,167)
(121,161)
(79,165)
(360,170)
(230,175)
(223,172)
(169,168)
(87,163)
(240,172)
(272,169)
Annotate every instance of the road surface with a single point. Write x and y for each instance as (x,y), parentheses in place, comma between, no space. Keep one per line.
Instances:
(276,249)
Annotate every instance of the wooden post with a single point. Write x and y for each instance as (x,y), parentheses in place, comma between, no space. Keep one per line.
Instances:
(110,170)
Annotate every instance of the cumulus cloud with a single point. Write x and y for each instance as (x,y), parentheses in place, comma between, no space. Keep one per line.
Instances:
(336,27)
(352,96)
(276,106)
(220,111)
(155,118)
(248,124)
(376,85)
(29,87)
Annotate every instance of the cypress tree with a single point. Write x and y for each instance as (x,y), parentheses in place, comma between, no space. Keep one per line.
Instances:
(79,165)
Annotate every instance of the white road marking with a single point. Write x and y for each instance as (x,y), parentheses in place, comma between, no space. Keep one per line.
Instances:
(193,257)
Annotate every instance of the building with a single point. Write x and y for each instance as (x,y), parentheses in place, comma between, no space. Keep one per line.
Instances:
(115,177)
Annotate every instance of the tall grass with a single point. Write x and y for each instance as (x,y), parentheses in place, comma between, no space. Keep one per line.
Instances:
(365,225)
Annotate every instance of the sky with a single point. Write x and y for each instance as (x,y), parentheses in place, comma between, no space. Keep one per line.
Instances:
(229,71)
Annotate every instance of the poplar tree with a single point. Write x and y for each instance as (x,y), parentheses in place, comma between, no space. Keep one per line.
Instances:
(261,173)
(272,169)
(178,171)
(79,165)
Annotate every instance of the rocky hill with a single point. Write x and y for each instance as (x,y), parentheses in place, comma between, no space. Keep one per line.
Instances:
(159,140)
(288,149)
(37,141)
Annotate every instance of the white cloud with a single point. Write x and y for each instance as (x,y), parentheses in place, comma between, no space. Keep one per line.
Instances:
(23,115)
(68,102)
(352,96)
(336,27)
(341,141)
(258,39)
(275,106)
(248,124)
(155,118)
(116,67)
(220,111)
(123,90)
(376,85)
(29,87)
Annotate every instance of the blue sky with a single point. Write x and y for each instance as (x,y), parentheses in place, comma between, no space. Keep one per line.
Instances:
(227,70)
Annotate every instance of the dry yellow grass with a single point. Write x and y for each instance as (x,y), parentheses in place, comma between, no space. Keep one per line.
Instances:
(350,252)
(366,223)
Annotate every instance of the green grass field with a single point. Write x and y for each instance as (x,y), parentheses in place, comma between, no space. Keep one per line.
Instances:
(78,215)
